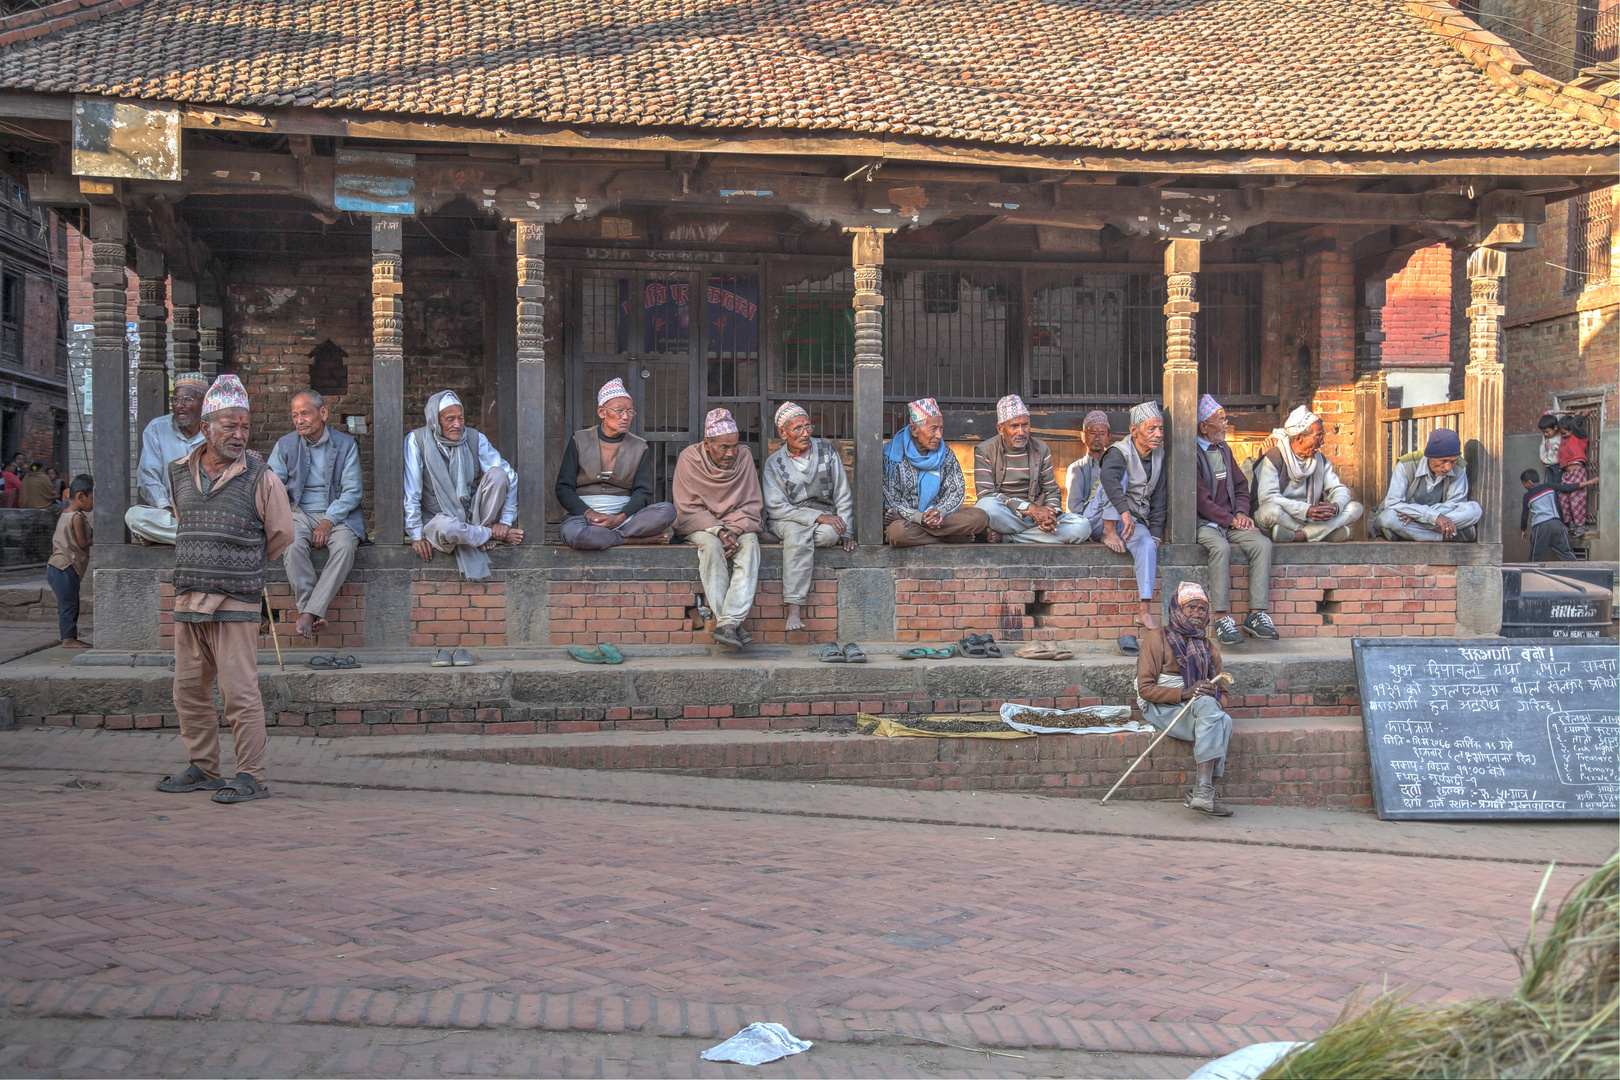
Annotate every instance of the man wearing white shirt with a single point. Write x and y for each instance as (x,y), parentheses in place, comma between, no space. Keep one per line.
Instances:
(166,439)
(460,494)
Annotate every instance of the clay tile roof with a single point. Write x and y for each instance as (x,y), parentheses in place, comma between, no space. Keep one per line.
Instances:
(1298,76)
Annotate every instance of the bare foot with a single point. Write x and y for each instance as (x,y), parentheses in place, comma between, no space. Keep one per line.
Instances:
(514,536)
(1111,539)
(306,624)
(793,620)
(1148,621)
(74,643)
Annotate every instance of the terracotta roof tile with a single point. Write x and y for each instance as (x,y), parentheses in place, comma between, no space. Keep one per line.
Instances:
(1308,76)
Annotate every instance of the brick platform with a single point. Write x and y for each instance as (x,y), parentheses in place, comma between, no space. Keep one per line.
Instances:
(546,595)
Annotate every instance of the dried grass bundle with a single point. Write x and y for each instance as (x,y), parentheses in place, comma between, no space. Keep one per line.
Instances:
(1563,1020)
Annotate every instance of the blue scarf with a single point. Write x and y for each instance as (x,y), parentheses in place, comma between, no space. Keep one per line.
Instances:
(927,465)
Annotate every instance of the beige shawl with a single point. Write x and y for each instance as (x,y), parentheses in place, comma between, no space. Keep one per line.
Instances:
(707,496)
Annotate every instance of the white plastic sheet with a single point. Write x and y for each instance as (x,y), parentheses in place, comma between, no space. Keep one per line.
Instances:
(1245,1064)
(1102,713)
(756,1044)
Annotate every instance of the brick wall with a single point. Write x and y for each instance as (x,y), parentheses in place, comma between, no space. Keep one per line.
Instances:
(1417,311)
(345,619)
(625,608)
(1318,306)
(447,611)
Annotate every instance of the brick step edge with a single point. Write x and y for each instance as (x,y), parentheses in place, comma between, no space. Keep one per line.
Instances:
(78,999)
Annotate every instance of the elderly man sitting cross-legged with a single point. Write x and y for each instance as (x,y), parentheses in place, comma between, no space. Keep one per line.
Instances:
(1014,484)
(808,503)
(1133,502)
(1178,664)
(460,494)
(1085,474)
(1298,496)
(923,485)
(1428,494)
(320,467)
(718,506)
(606,481)
(166,439)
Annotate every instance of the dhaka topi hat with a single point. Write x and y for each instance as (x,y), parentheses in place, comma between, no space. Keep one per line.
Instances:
(613,388)
(1208,407)
(922,409)
(1096,416)
(1300,421)
(1148,410)
(199,382)
(1010,407)
(788,412)
(1443,443)
(226,393)
(719,422)
(1190,590)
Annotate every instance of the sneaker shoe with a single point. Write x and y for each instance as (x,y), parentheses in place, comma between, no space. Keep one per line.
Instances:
(1226,629)
(1204,800)
(442,659)
(1260,625)
(461,658)
(1339,535)
(1280,535)
(726,636)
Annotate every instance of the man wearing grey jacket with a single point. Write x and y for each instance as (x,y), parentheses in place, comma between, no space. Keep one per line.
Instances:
(808,503)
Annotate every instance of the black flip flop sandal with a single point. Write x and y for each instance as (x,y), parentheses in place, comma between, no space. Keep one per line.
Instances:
(241,789)
(322,663)
(832,654)
(854,654)
(345,662)
(972,649)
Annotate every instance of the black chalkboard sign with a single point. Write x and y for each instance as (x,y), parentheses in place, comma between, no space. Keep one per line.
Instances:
(1496,729)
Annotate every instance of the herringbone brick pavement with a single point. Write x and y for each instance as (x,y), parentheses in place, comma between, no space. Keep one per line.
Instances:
(413,907)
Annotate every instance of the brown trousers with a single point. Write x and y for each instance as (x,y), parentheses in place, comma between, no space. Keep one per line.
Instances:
(957,528)
(228,651)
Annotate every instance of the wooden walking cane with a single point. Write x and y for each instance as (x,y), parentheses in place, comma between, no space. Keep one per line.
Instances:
(1223,677)
(277,638)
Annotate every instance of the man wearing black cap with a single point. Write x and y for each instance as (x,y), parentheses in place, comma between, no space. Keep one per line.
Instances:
(1428,494)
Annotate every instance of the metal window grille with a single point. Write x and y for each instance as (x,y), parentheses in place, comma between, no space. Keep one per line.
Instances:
(1597,32)
(815,346)
(1587,260)
(950,334)
(11,311)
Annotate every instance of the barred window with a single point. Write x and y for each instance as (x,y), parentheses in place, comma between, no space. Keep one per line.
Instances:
(1587,259)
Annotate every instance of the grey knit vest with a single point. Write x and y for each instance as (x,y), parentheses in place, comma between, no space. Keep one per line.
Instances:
(219,539)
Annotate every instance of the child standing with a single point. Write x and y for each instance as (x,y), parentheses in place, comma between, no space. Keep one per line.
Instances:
(1539,516)
(1550,439)
(70,557)
(1572,451)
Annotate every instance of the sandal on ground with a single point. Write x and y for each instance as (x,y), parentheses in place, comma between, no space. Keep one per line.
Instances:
(991,649)
(345,662)
(190,780)
(323,663)
(832,654)
(1036,650)
(1128,644)
(602,654)
(854,654)
(928,654)
(242,789)
(972,649)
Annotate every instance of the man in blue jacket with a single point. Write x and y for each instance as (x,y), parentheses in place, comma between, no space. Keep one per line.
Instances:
(320,467)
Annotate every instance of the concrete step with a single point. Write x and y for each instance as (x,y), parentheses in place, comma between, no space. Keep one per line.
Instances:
(33,601)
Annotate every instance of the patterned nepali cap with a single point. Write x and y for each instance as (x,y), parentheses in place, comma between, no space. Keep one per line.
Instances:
(788,411)
(194,379)
(718,422)
(613,388)
(1208,407)
(1190,590)
(1010,407)
(226,393)
(1300,421)
(922,409)
(1148,410)
(1096,416)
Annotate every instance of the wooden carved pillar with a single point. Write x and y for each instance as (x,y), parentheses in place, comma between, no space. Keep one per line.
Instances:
(183,297)
(152,370)
(109,372)
(1181,260)
(868,259)
(1482,395)
(530,445)
(1371,394)
(388,375)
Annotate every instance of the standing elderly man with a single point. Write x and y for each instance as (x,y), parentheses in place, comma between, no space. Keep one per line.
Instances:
(1223,524)
(1085,474)
(167,438)
(718,505)
(605,483)
(1428,494)
(320,467)
(923,485)
(232,518)
(808,503)
(1014,484)
(1133,502)
(460,494)
(1298,496)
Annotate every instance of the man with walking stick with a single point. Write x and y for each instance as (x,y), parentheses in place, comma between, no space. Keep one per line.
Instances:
(1179,689)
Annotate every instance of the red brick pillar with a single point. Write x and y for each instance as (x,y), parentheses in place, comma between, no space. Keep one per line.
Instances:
(1334,400)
